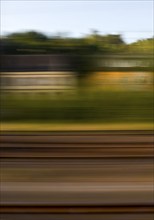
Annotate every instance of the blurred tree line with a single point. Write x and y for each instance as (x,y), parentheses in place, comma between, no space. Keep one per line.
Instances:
(37,43)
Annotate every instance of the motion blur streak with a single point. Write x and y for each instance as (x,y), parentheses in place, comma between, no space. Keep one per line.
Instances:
(77,113)
(77,184)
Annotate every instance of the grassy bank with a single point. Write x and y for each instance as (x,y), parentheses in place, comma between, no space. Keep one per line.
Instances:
(85,107)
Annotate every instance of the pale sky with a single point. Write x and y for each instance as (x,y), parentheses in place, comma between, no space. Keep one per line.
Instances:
(131,18)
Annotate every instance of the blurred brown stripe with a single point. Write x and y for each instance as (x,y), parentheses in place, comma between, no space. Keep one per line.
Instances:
(76,209)
(78,152)
(77,139)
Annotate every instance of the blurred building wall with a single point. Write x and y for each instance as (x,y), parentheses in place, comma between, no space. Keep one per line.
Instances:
(53,72)
(14,63)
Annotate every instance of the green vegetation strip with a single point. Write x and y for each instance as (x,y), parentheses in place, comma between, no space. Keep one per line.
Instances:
(103,107)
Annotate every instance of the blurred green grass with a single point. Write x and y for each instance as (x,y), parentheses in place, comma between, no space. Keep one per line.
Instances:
(82,107)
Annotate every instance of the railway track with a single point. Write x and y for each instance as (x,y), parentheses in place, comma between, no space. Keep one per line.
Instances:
(77,175)
(77,145)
